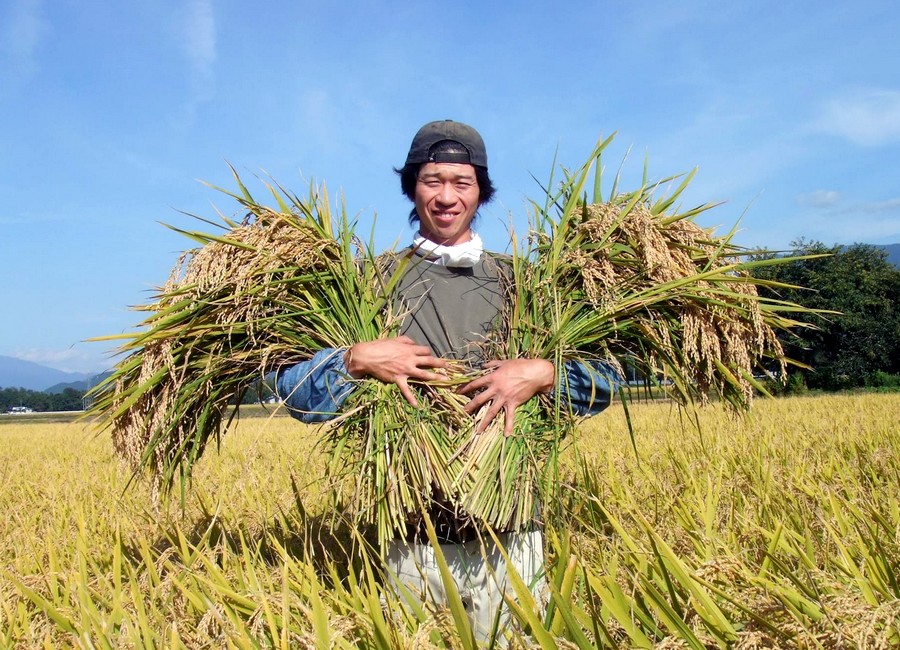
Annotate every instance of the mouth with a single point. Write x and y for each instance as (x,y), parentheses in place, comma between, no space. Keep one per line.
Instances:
(445,218)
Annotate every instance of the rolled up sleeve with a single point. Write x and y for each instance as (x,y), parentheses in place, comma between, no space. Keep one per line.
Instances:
(588,386)
(314,390)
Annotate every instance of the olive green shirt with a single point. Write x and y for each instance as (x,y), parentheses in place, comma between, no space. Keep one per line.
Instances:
(452,310)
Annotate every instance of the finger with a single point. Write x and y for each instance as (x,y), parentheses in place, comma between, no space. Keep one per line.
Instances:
(494,363)
(475,384)
(492,412)
(510,414)
(426,375)
(476,403)
(431,362)
(406,391)
(421,351)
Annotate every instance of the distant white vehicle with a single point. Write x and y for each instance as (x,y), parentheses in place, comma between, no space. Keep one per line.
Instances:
(21,410)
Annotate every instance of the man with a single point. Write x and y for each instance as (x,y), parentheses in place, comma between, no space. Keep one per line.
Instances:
(451,297)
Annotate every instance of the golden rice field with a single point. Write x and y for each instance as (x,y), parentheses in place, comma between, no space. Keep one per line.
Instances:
(777,530)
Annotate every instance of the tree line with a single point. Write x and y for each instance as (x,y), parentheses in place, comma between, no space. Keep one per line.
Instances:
(859,345)
(67,400)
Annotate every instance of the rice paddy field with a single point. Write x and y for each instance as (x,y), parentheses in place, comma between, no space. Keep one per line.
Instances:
(778,529)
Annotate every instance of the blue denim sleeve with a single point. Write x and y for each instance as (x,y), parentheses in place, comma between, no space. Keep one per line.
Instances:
(588,385)
(314,390)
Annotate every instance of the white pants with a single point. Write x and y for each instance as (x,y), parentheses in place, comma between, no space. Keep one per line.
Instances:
(479,571)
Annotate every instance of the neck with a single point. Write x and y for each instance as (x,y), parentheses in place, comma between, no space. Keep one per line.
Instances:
(462,239)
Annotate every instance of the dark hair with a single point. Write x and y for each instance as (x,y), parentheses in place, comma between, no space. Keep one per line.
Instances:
(409,173)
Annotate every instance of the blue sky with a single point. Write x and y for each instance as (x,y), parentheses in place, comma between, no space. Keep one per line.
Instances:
(113,111)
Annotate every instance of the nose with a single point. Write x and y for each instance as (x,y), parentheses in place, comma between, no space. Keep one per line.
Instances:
(446,195)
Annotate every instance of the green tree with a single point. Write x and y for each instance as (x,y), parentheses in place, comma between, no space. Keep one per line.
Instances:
(848,349)
(67,400)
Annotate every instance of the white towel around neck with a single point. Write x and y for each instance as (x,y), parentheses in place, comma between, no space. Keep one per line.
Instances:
(465,255)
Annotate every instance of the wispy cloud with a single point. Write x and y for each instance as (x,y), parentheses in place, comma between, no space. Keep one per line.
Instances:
(871,230)
(869,118)
(874,207)
(25,27)
(30,218)
(819,199)
(71,359)
(847,221)
(198,33)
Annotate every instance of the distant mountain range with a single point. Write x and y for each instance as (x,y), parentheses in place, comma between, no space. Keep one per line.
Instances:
(893,253)
(81,385)
(17,373)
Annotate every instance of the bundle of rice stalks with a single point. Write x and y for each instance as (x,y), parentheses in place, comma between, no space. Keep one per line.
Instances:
(671,297)
(627,279)
(270,291)
(632,277)
(400,461)
(397,459)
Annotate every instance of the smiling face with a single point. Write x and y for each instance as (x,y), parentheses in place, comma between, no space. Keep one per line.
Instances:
(446,200)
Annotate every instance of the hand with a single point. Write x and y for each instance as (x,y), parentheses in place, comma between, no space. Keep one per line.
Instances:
(510,384)
(394,361)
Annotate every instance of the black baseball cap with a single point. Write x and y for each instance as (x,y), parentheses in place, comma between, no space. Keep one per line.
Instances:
(435,132)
